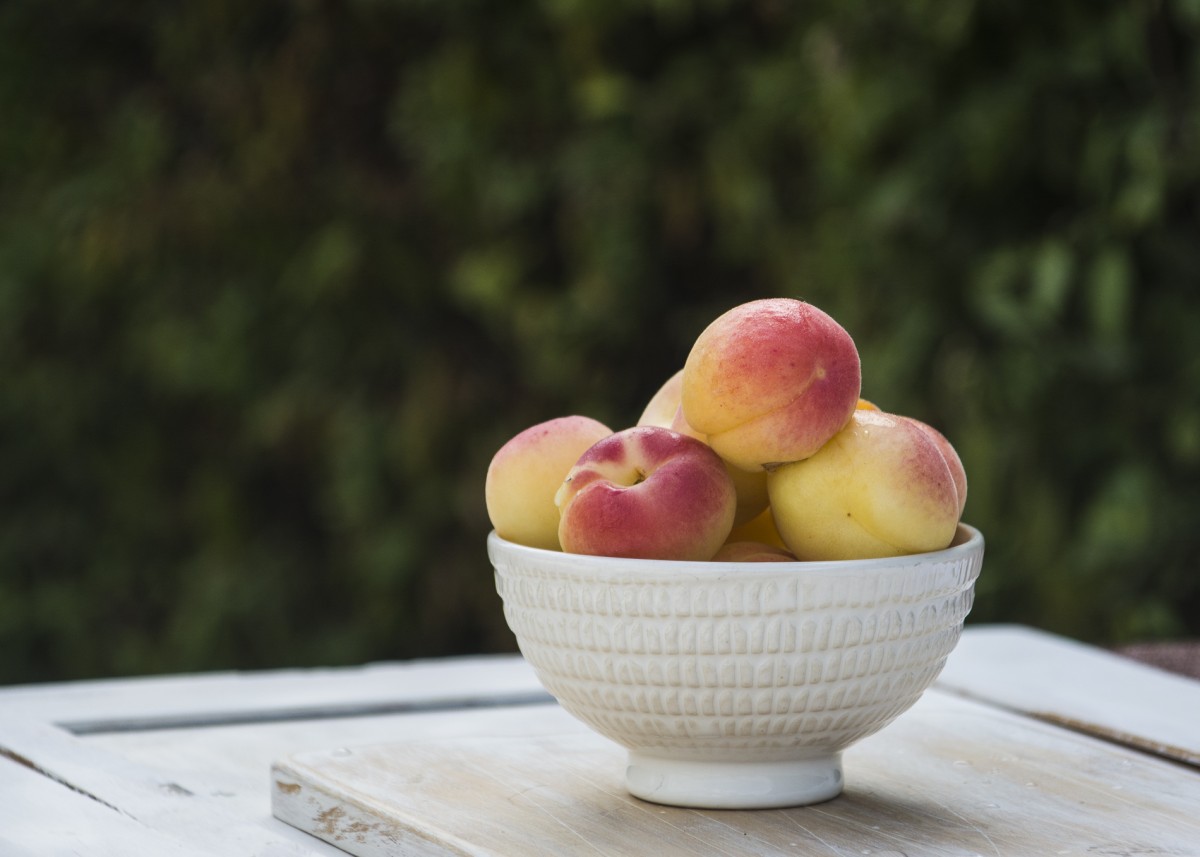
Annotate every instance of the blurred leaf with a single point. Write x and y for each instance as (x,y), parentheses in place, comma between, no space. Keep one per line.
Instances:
(277,280)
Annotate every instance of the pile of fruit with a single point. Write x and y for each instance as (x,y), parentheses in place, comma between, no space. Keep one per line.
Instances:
(759,449)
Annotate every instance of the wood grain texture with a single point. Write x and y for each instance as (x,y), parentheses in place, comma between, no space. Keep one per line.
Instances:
(92,768)
(40,817)
(1079,687)
(215,699)
(187,814)
(951,777)
(209,803)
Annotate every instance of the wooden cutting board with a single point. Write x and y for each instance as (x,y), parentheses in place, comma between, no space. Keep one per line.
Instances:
(951,777)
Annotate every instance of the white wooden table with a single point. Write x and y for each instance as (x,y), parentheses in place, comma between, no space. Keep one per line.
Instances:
(1028,744)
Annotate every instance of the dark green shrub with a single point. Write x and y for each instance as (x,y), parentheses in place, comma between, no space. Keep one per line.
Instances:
(276,281)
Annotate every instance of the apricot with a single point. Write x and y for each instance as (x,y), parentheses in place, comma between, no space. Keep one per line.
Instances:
(664,410)
(526,472)
(770,381)
(752,552)
(880,487)
(760,528)
(648,493)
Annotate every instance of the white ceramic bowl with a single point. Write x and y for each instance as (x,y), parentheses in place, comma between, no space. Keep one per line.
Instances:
(736,685)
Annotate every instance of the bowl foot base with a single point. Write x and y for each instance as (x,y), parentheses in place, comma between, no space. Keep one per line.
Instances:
(734,785)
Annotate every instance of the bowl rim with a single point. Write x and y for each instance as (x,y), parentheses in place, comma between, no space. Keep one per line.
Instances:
(967,541)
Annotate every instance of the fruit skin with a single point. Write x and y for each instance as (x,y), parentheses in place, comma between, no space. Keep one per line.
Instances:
(770,381)
(752,552)
(880,487)
(663,407)
(664,410)
(647,492)
(526,472)
(760,528)
(952,460)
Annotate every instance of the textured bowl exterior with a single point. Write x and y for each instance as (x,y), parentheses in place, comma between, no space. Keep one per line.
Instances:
(746,662)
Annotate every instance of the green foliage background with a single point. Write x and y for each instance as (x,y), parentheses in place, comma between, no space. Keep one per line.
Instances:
(277,279)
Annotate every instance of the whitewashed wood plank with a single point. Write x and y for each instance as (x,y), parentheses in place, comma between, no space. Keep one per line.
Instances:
(43,818)
(215,781)
(175,701)
(950,777)
(227,765)
(148,798)
(1080,687)
(233,762)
